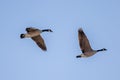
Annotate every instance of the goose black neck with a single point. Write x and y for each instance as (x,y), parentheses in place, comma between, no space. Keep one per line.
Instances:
(45,30)
(100,50)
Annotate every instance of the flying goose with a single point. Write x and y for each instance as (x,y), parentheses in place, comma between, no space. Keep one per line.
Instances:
(86,49)
(34,34)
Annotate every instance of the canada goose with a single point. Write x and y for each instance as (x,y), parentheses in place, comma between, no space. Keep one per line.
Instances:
(34,34)
(86,49)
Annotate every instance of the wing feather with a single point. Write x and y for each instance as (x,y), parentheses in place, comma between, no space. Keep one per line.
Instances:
(40,42)
(83,41)
(31,29)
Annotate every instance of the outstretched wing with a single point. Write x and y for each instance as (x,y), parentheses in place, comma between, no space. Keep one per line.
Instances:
(40,42)
(83,41)
(31,29)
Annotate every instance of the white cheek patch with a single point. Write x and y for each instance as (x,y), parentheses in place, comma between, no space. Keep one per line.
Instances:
(82,55)
(27,36)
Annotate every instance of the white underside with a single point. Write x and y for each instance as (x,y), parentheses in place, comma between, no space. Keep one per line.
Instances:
(29,35)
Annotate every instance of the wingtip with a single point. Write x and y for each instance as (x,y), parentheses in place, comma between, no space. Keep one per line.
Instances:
(27,29)
(80,29)
(44,49)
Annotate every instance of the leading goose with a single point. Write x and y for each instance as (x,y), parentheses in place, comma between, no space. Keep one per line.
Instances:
(86,49)
(34,34)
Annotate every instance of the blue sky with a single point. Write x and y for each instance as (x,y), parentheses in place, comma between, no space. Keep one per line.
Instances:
(21,59)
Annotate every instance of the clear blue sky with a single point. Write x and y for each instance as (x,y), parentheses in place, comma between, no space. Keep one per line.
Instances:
(21,59)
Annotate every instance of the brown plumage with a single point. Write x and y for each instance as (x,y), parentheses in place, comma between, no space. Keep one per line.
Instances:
(83,41)
(40,42)
(34,34)
(85,47)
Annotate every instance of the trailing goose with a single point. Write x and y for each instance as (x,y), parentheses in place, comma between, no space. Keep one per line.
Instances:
(86,49)
(34,34)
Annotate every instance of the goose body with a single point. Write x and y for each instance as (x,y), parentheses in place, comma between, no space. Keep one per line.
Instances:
(34,34)
(85,47)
